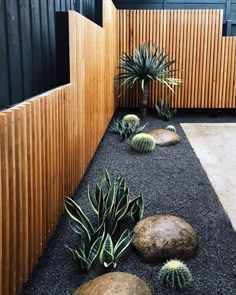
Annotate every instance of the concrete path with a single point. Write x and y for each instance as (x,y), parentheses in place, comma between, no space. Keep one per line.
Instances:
(215,146)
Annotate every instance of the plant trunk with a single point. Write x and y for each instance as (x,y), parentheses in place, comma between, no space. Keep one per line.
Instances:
(143,101)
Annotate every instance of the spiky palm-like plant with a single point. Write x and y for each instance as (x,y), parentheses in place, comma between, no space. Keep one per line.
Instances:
(146,65)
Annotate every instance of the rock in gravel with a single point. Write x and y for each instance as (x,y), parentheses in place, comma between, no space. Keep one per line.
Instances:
(165,137)
(162,237)
(114,283)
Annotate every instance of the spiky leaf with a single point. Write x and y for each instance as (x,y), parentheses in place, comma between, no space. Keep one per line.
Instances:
(107,252)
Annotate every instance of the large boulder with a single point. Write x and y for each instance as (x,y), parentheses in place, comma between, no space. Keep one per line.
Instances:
(114,283)
(165,137)
(162,237)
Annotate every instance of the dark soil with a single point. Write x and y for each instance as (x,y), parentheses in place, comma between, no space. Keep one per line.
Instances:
(173,182)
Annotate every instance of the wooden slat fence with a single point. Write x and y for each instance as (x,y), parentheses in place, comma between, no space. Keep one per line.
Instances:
(205,60)
(47,142)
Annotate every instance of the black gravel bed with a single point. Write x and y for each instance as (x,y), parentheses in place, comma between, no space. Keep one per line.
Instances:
(173,182)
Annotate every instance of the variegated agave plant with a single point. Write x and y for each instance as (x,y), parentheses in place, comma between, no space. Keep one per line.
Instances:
(111,203)
(126,128)
(164,112)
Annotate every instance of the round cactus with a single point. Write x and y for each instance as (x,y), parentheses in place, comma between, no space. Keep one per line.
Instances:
(143,143)
(175,275)
(131,119)
(171,128)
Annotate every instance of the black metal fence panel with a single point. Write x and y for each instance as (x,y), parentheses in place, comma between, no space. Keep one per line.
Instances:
(28,57)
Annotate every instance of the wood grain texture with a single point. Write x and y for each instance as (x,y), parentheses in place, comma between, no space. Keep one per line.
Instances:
(47,142)
(204,59)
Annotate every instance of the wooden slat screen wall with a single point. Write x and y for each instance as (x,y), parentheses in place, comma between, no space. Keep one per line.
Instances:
(206,61)
(47,142)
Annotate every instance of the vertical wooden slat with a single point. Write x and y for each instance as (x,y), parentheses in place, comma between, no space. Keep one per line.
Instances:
(30,184)
(19,198)
(25,194)
(13,196)
(44,166)
(40,192)
(6,214)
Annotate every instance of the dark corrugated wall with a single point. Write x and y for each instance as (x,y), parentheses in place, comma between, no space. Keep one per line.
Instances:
(28,64)
(229,7)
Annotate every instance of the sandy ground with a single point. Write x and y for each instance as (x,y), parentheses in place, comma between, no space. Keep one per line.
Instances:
(215,146)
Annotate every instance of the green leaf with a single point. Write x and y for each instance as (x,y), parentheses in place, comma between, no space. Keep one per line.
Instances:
(94,200)
(122,244)
(132,202)
(84,229)
(142,84)
(111,196)
(94,251)
(122,207)
(76,213)
(79,257)
(137,210)
(101,209)
(107,252)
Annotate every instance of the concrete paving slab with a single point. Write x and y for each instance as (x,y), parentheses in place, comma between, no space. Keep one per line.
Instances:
(215,146)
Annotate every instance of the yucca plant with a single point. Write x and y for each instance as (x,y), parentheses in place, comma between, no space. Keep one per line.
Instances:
(111,203)
(146,65)
(110,253)
(164,112)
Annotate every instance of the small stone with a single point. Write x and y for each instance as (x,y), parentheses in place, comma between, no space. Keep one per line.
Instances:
(165,137)
(115,283)
(162,237)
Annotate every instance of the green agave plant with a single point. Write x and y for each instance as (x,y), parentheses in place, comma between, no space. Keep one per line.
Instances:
(110,253)
(111,203)
(126,128)
(146,65)
(164,112)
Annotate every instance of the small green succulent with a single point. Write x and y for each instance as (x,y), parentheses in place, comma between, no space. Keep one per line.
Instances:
(171,128)
(175,275)
(164,112)
(143,143)
(130,124)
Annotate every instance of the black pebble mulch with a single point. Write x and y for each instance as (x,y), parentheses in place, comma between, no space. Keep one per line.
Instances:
(173,182)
